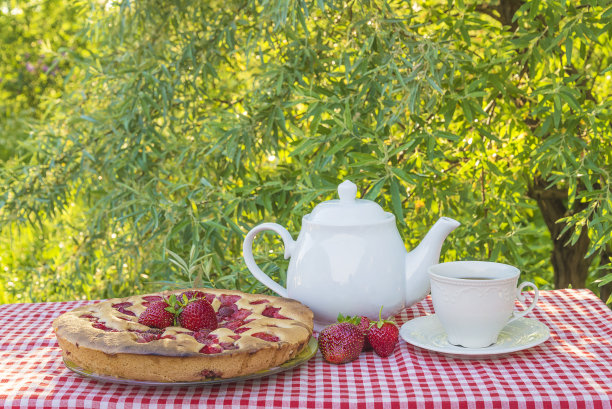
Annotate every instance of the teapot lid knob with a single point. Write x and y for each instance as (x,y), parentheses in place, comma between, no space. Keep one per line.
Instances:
(348,211)
(347,191)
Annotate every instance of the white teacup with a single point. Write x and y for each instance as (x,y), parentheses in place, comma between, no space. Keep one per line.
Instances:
(474,300)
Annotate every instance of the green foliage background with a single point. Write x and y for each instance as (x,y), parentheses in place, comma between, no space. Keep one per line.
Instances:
(169,129)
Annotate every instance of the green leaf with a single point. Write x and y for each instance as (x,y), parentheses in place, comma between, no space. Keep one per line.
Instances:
(465,34)
(434,85)
(467,111)
(88,118)
(403,175)
(557,111)
(375,190)
(397,201)
(569,46)
(567,96)
(205,182)
(607,279)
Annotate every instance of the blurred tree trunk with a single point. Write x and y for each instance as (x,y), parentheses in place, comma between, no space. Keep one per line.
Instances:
(569,261)
(571,266)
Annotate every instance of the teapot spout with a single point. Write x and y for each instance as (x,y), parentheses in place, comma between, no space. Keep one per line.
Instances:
(426,254)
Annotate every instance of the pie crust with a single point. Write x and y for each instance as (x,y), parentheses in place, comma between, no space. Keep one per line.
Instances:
(255,332)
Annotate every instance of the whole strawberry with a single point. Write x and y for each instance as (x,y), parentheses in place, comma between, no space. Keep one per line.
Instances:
(341,343)
(156,315)
(198,315)
(383,336)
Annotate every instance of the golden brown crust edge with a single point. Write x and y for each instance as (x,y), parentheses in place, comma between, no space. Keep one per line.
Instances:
(154,368)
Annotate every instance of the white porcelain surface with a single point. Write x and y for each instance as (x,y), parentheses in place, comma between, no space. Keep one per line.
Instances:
(427,332)
(349,258)
(348,270)
(472,311)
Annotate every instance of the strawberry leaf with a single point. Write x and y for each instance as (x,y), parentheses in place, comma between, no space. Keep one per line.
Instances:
(347,318)
(174,307)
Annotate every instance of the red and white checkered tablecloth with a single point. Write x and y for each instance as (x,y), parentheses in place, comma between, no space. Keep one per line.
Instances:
(573,369)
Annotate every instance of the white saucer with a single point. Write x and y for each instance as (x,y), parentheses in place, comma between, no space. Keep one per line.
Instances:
(427,332)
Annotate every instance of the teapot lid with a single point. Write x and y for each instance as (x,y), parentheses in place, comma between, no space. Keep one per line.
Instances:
(348,210)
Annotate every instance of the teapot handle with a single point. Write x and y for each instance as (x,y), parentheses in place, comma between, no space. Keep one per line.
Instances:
(247,253)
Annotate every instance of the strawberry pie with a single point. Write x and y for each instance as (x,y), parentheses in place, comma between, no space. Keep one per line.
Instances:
(182,336)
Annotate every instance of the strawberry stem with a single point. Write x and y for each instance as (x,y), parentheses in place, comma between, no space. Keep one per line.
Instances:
(175,307)
(380,321)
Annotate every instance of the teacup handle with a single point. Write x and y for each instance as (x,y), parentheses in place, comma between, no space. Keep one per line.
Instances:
(247,253)
(519,296)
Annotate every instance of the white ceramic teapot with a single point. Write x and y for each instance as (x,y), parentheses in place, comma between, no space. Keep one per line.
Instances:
(349,258)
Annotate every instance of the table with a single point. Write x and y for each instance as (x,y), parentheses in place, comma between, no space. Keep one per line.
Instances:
(573,369)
